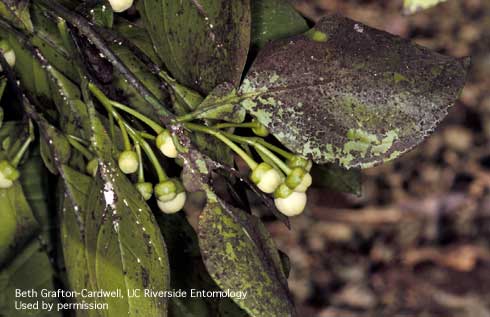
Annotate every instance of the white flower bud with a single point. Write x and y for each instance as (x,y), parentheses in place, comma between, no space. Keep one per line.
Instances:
(292,205)
(270,181)
(166,145)
(5,182)
(174,205)
(8,54)
(120,5)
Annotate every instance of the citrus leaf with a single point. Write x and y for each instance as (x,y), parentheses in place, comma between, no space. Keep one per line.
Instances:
(240,256)
(35,182)
(33,77)
(31,270)
(412,6)
(344,92)
(126,244)
(221,104)
(189,272)
(123,244)
(18,222)
(75,191)
(103,15)
(273,20)
(203,43)
(151,82)
(17,12)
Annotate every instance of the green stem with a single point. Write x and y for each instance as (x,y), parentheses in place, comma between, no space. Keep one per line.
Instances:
(147,136)
(260,144)
(79,147)
(141,172)
(220,136)
(229,100)
(107,103)
(162,176)
(236,125)
(152,124)
(112,128)
(18,156)
(3,84)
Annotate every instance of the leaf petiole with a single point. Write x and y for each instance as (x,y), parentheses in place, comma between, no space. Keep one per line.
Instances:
(221,136)
(23,149)
(77,144)
(152,124)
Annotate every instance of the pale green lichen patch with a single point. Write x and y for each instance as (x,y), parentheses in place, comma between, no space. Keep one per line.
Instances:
(316,35)
(203,168)
(247,87)
(397,77)
(364,142)
(273,78)
(361,144)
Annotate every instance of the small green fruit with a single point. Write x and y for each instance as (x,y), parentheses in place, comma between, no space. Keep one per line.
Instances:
(298,161)
(260,130)
(166,191)
(299,180)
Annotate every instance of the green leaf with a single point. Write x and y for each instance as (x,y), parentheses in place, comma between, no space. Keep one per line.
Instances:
(123,244)
(189,272)
(412,6)
(75,191)
(221,104)
(31,270)
(241,256)
(273,20)
(337,178)
(33,77)
(35,182)
(17,12)
(47,39)
(137,35)
(53,138)
(18,222)
(203,43)
(346,93)
(103,15)
(151,82)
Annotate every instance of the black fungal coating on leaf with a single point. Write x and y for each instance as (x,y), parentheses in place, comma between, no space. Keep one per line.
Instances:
(349,93)
(240,255)
(203,43)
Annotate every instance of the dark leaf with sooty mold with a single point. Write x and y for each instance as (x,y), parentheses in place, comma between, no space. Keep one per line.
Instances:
(347,93)
(240,255)
(203,43)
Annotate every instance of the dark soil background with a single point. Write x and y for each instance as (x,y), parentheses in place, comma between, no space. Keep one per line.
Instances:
(416,243)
